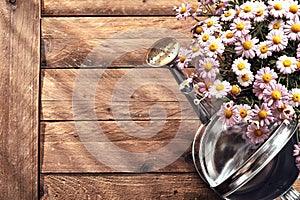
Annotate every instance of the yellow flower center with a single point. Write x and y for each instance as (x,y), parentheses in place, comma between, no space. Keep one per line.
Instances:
(298,64)
(258,132)
(281,109)
(183,10)
(241,66)
(276,94)
(264,49)
(276,26)
(213,47)
(228,113)
(240,26)
(276,39)
(247,9)
(198,29)
(293,9)
(205,37)
(245,77)
(210,23)
(295,28)
(208,84)
(235,90)
(262,114)
(277,6)
(208,66)
(227,14)
(182,58)
(259,13)
(229,35)
(196,48)
(243,113)
(296,97)
(221,4)
(220,87)
(287,63)
(247,45)
(267,78)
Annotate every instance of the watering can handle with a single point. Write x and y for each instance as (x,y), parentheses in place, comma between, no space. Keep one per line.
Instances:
(291,194)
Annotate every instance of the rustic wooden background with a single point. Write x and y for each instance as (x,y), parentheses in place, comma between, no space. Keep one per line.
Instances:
(42,152)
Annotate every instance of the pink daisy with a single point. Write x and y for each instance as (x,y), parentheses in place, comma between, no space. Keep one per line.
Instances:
(245,113)
(228,114)
(184,57)
(286,65)
(265,76)
(283,114)
(277,40)
(202,88)
(293,11)
(214,47)
(258,91)
(240,27)
(262,114)
(277,8)
(208,68)
(246,46)
(292,29)
(257,134)
(263,50)
(183,11)
(298,51)
(296,153)
(275,95)
(295,97)
(219,89)
(246,79)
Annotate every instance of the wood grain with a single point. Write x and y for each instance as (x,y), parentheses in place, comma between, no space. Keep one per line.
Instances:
(126,186)
(20,36)
(105,42)
(106,7)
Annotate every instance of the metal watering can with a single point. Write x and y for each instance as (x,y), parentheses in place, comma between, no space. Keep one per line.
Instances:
(229,165)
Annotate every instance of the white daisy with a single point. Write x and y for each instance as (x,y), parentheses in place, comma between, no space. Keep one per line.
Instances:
(214,47)
(212,24)
(208,68)
(240,27)
(295,97)
(204,37)
(246,79)
(261,11)
(293,10)
(263,50)
(277,8)
(247,10)
(228,37)
(277,40)
(240,66)
(276,24)
(292,29)
(219,89)
(286,65)
(228,15)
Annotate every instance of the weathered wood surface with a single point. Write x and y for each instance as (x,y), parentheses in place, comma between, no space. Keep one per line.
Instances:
(126,186)
(19,86)
(105,42)
(104,7)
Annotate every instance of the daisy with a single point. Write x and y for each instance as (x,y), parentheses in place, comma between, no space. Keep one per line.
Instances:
(257,134)
(261,12)
(247,11)
(214,47)
(293,11)
(246,46)
(240,66)
(245,112)
(263,50)
(184,57)
(208,68)
(204,37)
(264,77)
(292,29)
(228,37)
(275,94)
(262,114)
(228,15)
(286,65)
(283,114)
(183,11)
(196,49)
(277,8)
(276,24)
(277,40)
(235,90)
(240,27)
(202,88)
(222,5)
(258,92)
(298,51)
(228,114)
(246,79)
(219,89)
(295,97)
(212,24)
(197,29)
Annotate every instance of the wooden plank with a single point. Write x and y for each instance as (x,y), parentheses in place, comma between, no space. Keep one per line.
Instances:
(106,7)
(19,86)
(87,146)
(80,42)
(126,186)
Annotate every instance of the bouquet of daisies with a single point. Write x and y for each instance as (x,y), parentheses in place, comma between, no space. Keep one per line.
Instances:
(248,53)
